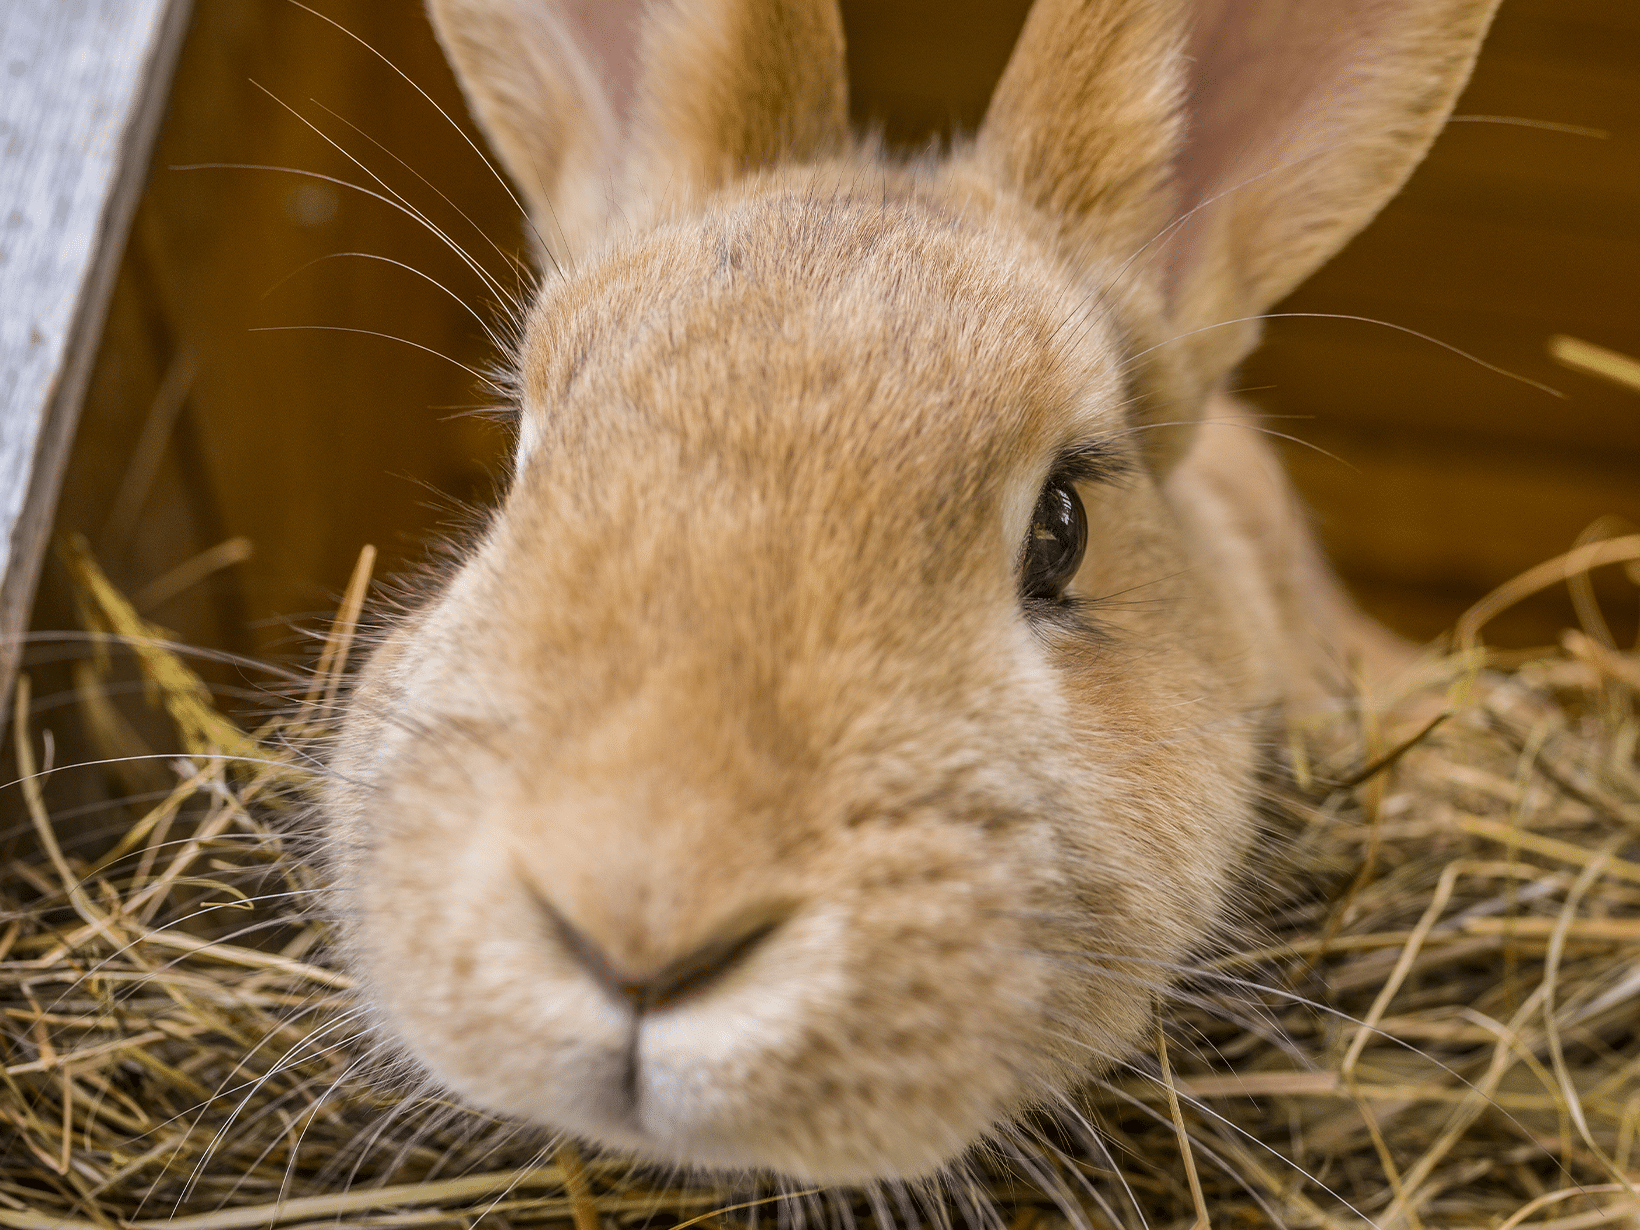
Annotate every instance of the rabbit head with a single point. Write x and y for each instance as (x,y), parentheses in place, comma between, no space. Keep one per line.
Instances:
(852,715)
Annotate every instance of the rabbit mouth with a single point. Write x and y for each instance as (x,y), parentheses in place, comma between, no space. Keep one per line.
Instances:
(687,1114)
(772,1046)
(703,1085)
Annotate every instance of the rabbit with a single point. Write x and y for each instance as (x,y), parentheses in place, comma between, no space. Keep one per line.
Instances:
(854,711)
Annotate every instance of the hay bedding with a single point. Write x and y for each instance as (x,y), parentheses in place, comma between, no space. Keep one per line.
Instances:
(1438,1025)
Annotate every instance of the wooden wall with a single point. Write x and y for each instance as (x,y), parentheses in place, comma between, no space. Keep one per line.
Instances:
(1435,478)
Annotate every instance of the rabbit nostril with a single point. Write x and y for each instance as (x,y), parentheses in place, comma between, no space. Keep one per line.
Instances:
(677,980)
(697,971)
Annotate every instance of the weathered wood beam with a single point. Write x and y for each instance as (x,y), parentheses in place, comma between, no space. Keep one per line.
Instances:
(82,90)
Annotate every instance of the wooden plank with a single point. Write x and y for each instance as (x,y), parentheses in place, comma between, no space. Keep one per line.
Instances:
(308,442)
(82,89)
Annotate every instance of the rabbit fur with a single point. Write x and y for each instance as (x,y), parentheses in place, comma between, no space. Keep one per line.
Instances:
(728,805)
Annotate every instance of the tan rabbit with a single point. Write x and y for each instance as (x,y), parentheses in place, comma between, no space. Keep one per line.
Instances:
(853,712)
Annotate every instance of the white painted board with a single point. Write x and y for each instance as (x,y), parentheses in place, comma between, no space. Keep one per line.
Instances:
(83,85)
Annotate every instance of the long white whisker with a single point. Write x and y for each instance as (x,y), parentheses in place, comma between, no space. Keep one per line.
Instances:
(1366,320)
(460,131)
(282,1064)
(1136,428)
(1296,998)
(171,757)
(120,640)
(1097,1138)
(466,258)
(392,337)
(388,260)
(1519,121)
(519,269)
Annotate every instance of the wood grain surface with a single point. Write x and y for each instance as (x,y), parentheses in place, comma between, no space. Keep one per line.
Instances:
(82,88)
(1434,478)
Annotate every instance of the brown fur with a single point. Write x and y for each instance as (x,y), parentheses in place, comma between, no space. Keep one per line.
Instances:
(744,651)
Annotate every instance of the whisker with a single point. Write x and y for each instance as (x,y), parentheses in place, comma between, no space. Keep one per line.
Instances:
(1517,121)
(460,131)
(519,269)
(1366,320)
(116,640)
(407,211)
(473,372)
(466,258)
(172,757)
(388,260)
(1097,1138)
(1136,428)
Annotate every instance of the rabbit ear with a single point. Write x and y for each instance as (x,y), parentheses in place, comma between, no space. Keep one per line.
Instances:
(592,101)
(1216,152)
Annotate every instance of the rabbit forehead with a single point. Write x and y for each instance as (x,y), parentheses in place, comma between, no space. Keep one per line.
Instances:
(805,326)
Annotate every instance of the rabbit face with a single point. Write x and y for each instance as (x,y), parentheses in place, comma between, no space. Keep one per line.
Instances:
(852,715)
(734,773)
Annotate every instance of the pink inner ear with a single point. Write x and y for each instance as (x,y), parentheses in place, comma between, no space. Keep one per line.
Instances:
(1270,83)
(608,33)
(1268,80)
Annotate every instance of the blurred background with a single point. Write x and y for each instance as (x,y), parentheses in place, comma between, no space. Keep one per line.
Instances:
(242,440)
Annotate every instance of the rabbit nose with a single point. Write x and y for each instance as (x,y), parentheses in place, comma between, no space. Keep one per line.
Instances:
(677,980)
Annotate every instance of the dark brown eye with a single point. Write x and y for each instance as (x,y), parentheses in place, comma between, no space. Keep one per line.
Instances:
(1055,544)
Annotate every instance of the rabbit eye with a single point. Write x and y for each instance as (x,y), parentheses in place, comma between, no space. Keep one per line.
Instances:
(1056,541)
